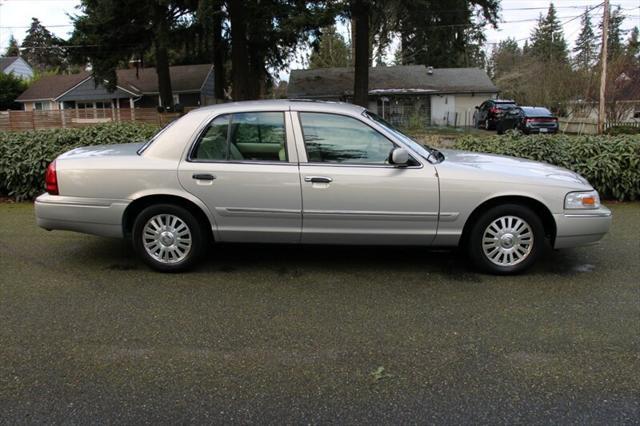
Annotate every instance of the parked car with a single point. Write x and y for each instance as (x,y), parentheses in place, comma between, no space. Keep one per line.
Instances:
(490,112)
(528,120)
(314,173)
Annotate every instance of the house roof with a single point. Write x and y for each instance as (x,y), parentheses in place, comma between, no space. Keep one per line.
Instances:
(6,61)
(400,79)
(184,78)
(52,86)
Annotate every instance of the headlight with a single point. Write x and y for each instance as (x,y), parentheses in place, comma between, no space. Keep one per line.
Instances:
(582,200)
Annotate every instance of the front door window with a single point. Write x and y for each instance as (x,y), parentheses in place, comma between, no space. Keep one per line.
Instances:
(332,138)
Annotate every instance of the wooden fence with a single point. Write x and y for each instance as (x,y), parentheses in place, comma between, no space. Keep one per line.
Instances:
(70,118)
(588,126)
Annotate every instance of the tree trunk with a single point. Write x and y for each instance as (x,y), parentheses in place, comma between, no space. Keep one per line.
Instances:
(161,41)
(239,52)
(218,56)
(360,12)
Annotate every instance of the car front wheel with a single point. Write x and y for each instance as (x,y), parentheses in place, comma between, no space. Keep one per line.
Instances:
(506,239)
(168,237)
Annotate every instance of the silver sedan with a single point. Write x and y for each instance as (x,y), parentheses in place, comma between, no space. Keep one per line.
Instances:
(314,173)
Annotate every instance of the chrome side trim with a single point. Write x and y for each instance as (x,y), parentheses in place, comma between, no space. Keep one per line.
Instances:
(364,214)
(246,211)
(449,216)
(601,214)
(58,200)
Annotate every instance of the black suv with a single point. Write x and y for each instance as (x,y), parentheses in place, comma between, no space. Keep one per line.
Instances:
(490,112)
(528,120)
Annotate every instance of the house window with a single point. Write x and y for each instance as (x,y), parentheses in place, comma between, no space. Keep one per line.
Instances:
(176,99)
(38,106)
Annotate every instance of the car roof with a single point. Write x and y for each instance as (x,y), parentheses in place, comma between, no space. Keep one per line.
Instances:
(284,105)
(503,101)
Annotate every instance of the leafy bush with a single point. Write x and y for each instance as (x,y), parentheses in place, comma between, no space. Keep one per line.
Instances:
(10,88)
(623,130)
(610,163)
(24,156)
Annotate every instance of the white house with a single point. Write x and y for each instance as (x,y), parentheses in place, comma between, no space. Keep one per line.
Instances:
(403,94)
(17,66)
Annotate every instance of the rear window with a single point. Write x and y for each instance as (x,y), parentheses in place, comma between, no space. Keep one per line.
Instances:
(537,111)
(505,105)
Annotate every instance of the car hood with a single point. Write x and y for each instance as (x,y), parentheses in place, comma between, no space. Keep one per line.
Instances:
(501,166)
(103,151)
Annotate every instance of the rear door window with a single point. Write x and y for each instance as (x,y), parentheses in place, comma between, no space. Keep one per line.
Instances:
(249,136)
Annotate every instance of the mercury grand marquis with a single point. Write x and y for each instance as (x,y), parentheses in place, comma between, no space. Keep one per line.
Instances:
(314,173)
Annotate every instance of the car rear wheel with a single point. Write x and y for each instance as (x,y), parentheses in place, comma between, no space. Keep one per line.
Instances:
(506,239)
(168,237)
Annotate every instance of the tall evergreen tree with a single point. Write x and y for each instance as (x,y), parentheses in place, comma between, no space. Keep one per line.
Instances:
(633,44)
(114,31)
(330,51)
(615,46)
(264,36)
(586,49)
(445,33)
(547,40)
(42,49)
(12,49)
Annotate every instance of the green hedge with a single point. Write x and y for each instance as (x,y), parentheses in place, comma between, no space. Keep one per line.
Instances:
(610,163)
(623,130)
(24,156)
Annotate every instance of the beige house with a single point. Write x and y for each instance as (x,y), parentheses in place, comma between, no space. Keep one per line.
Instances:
(403,94)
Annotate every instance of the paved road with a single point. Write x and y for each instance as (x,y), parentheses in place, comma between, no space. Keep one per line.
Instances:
(271,334)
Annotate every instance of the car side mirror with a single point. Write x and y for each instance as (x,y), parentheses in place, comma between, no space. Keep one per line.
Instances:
(477,107)
(399,157)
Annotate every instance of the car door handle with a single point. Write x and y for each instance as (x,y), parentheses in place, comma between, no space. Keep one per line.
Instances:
(203,176)
(318,179)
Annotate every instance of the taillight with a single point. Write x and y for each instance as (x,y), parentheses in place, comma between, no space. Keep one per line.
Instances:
(494,110)
(51,179)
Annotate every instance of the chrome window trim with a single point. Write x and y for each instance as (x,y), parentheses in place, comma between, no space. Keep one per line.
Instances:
(194,143)
(374,165)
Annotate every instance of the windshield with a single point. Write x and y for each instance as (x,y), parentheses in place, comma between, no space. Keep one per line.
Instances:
(423,150)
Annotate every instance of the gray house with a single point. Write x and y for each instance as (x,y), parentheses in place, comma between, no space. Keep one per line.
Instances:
(17,66)
(403,94)
(192,85)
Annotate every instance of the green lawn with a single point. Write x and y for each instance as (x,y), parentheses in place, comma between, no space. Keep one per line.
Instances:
(283,334)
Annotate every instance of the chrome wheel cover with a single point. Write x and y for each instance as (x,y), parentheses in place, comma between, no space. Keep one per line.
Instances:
(507,241)
(167,238)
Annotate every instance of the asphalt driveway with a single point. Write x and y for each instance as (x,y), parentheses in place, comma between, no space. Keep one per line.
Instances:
(282,334)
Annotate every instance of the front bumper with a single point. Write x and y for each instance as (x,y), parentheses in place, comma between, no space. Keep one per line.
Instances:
(581,227)
(95,216)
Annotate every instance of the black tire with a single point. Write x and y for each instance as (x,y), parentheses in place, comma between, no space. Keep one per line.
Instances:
(197,233)
(475,245)
(500,128)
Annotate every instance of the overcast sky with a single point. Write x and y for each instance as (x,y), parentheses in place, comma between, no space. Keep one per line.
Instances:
(518,16)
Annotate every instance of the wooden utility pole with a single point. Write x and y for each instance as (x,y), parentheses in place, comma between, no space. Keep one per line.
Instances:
(603,74)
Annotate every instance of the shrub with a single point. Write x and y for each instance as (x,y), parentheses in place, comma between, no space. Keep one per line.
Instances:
(610,163)
(623,130)
(24,156)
